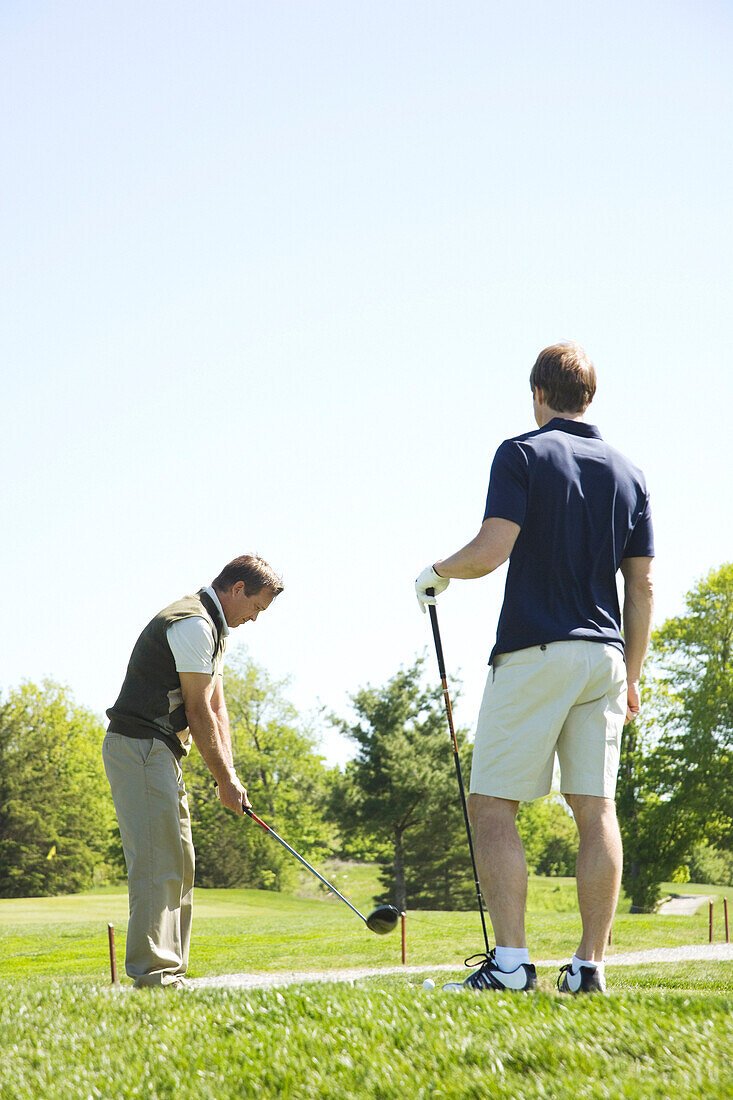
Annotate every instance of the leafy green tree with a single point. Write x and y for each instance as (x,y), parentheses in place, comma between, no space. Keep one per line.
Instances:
(709,865)
(549,836)
(658,827)
(400,791)
(694,653)
(56,814)
(286,779)
(676,777)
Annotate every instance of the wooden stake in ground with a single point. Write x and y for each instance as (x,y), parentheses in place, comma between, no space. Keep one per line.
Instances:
(112,953)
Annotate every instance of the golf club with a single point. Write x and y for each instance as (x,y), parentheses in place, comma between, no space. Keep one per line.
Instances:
(449,713)
(382,920)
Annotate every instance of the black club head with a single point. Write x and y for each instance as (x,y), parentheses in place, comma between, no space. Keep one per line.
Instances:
(383,919)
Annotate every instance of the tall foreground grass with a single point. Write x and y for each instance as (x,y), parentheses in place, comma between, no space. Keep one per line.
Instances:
(380,1039)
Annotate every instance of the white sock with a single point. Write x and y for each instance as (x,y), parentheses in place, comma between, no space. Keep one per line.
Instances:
(509,958)
(577,963)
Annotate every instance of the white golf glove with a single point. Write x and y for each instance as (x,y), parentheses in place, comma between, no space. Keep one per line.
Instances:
(429,579)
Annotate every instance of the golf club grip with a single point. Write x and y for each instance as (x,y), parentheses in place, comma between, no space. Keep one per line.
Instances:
(436,635)
(250,813)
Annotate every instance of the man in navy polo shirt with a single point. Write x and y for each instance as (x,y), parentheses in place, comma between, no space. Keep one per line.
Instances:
(568,511)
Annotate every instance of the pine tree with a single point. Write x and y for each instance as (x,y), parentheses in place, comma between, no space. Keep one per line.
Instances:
(401,792)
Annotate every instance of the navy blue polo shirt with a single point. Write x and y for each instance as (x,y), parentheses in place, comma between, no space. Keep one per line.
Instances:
(582,507)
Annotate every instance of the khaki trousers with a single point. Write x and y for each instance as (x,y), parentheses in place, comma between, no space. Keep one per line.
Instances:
(155,826)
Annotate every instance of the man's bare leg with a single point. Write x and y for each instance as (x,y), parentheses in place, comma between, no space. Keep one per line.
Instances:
(598,870)
(502,868)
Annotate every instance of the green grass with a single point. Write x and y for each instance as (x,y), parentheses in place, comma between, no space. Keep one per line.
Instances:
(377,1039)
(356,881)
(664,1031)
(237,930)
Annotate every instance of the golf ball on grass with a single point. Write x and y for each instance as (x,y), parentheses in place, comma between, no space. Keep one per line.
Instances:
(428,984)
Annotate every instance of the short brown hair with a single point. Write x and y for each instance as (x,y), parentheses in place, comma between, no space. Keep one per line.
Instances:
(254,571)
(566,377)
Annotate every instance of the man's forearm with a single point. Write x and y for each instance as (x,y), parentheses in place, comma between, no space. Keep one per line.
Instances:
(206,733)
(637,620)
(225,739)
(466,564)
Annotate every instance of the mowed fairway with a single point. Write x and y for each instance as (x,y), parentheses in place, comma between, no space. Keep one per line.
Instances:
(664,1031)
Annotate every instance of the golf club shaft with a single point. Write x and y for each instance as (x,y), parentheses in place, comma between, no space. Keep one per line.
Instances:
(456,758)
(279,839)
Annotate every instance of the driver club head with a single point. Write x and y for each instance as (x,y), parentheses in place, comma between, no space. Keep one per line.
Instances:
(383,919)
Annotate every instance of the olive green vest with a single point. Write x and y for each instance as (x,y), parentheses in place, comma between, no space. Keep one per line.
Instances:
(150,703)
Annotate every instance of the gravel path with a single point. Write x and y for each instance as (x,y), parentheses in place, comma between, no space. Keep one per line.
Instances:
(692,953)
(684,904)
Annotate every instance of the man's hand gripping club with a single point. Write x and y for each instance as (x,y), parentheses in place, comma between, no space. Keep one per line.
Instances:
(429,579)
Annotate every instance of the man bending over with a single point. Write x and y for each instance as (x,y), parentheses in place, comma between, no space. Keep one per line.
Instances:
(172,695)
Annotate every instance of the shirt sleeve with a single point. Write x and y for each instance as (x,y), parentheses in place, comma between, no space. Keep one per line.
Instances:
(192,644)
(641,540)
(508,484)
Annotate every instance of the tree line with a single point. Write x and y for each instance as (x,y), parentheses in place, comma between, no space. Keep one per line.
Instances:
(396,803)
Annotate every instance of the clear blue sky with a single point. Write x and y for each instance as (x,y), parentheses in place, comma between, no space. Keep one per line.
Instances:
(273,279)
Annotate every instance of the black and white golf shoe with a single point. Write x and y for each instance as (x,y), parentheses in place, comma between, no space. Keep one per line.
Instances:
(586,979)
(488,976)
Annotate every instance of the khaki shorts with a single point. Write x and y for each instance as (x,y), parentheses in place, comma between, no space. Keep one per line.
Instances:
(567,698)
